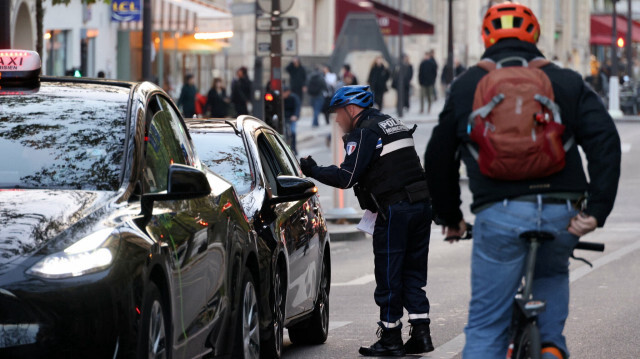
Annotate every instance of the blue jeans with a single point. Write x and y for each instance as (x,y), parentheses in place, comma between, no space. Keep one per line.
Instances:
(497,267)
(317,102)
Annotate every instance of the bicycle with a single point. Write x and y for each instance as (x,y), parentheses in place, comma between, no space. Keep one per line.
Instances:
(525,336)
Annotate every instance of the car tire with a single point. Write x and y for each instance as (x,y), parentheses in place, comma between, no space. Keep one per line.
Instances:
(314,331)
(247,339)
(154,339)
(272,348)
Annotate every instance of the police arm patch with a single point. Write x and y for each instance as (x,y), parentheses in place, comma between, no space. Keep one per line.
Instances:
(351,147)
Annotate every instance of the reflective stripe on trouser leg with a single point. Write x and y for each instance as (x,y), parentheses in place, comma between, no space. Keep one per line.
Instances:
(419,316)
(395,324)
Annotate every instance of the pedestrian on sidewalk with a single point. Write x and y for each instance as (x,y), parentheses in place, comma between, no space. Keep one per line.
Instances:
(378,78)
(217,100)
(518,183)
(427,75)
(297,77)
(331,81)
(404,70)
(382,166)
(187,99)
(292,105)
(316,88)
(241,92)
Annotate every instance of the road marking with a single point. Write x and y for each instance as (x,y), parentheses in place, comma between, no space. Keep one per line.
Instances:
(626,147)
(358,281)
(454,346)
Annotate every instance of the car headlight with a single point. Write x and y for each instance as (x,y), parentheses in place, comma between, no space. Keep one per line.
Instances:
(88,255)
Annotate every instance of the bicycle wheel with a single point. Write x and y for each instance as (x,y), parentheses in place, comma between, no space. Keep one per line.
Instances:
(528,345)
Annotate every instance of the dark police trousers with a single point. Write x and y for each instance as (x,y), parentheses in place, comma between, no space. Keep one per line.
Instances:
(401,248)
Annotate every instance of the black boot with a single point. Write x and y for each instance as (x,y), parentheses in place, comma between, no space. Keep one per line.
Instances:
(389,345)
(420,341)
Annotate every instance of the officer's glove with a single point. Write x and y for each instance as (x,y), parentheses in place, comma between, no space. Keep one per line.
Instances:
(307,164)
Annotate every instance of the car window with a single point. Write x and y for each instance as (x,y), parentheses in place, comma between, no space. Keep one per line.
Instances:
(226,155)
(63,136)
(166,144)
(284,162)
(292,158)
(270,165)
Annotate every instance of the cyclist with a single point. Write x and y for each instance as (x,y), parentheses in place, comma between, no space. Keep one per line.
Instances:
(505,208)
(381,161)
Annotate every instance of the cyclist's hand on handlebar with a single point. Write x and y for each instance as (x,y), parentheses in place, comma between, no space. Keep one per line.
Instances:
(453,234)
(582,224)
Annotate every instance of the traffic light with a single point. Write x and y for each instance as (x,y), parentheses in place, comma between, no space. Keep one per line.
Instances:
(273,109)
(620,42)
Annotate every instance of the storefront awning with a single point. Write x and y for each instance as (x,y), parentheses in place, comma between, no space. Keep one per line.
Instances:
(602,29)
(181,16)
(388,17)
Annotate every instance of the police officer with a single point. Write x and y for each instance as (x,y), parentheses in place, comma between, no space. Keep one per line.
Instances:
(382,165)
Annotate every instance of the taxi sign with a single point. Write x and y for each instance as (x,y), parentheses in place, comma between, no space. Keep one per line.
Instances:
(19,66)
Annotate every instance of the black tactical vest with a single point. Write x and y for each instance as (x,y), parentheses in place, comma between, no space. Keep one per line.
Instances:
(398,165)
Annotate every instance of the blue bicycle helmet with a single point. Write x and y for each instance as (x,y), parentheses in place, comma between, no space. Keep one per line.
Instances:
(351,95)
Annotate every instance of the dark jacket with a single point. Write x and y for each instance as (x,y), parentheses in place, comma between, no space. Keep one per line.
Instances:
(378,77)
(187,100)
(216,105)
(298,78)
(379,155)
(406,71)
(428,72)
(241,95)
(291,106)
(582,112)
(446,79)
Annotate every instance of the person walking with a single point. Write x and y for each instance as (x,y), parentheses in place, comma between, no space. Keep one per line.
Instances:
(292,105)
(382,166)
(427,75)
(297,77)
(217,100)
(316,88)
(405,70)
(187,99)
(241,92)
(520,149)
(331,80)
(378,78)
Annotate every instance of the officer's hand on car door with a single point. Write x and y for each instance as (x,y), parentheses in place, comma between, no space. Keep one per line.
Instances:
(307,164)
(454,234)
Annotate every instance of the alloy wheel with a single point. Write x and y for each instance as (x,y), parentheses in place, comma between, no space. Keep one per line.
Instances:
(157,339)
(250,323)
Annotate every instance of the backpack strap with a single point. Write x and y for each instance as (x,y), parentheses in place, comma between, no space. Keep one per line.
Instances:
(487,65)
(539,62)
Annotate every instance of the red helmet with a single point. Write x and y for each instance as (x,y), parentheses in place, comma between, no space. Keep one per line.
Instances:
(509,20)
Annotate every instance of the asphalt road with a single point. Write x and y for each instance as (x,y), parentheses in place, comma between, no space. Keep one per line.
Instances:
(604,317)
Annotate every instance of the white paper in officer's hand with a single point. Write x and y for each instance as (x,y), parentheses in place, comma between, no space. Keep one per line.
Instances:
(368,222)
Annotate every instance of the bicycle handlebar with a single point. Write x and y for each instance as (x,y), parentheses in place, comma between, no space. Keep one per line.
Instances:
(590,246)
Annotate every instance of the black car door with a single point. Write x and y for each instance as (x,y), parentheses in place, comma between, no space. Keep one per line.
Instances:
(311,249)
(190,231)
(291,223)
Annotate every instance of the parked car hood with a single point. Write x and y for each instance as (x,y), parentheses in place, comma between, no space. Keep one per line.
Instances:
(30,219)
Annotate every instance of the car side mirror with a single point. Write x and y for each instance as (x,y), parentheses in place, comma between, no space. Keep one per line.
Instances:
(291,188)
(183,182)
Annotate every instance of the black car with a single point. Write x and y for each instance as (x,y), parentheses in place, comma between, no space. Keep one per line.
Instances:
(283,208)
(114,240)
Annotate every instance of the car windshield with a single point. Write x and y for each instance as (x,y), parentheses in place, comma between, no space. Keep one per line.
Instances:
(65,135)
(225,154)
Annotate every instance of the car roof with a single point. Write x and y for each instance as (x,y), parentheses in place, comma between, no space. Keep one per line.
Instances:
(86,80)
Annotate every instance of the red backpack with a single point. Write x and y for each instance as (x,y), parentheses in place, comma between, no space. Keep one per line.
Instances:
(516,123)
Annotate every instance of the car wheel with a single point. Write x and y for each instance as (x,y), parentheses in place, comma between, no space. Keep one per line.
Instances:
(272,348)
(248,327)
(315,329)
(154,335)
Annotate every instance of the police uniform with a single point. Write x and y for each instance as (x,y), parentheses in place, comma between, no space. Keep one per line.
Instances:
(382,163)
